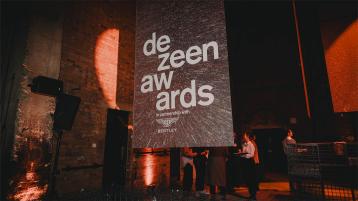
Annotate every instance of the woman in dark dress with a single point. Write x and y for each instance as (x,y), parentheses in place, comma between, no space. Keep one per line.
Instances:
(216,169)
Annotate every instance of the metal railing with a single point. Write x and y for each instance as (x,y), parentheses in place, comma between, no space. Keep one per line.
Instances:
(323,171)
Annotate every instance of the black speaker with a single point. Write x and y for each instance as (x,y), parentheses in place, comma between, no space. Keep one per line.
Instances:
(115,152)
(66,109)
(47,86)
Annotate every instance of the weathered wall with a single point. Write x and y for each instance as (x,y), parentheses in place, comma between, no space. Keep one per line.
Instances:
(90,46)
(13,42)
(33,124)
(339,29)
(97,62)
(339,36)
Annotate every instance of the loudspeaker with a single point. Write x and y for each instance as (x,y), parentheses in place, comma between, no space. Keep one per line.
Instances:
(115,152)
(47,86)
(66,109)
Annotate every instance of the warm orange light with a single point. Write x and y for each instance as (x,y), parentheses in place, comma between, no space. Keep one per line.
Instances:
(148,169)
(342,66)
(303,74)
(106,64)
(29,188)
(30,193)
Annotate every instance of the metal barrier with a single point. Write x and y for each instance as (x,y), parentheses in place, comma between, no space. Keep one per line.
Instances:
(323,171)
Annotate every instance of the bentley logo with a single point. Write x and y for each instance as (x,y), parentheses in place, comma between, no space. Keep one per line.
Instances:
(167,122)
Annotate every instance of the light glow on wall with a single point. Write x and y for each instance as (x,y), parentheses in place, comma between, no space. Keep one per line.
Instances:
(342,67)
(149,165)
(106,64)
(29,188)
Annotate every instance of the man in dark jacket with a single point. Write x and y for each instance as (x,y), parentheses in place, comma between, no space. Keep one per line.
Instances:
(200,165)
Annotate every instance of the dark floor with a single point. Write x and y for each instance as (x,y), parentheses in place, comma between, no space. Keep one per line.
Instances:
(152,183)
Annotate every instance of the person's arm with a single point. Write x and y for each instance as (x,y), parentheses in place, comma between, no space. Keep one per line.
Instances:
(284,146)
(250,151)
(204,153)
(188,152)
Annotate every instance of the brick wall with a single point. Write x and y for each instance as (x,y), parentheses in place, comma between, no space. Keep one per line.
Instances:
(93,33)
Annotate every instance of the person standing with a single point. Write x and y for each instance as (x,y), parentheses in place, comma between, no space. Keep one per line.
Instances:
(248,164)
(288,140)
(232,165)
(200,160)
(256,160)
(285,144)
(187,164)
(216,169)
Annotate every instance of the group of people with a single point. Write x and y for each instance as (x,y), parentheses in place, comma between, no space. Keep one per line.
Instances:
(212,164)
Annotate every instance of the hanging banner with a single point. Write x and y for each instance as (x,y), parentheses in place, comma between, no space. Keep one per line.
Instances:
(182,87)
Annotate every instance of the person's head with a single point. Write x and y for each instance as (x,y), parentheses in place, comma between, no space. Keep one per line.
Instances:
(245,137)
(289,133)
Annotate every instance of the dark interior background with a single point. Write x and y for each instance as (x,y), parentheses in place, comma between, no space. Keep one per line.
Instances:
(264,65)
(266,79)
